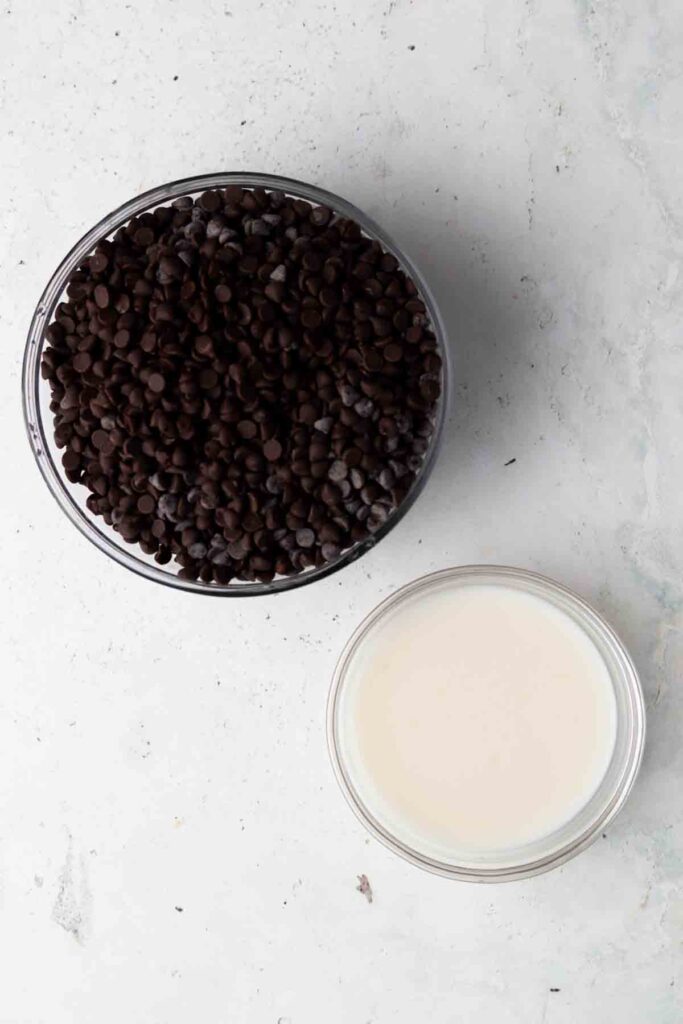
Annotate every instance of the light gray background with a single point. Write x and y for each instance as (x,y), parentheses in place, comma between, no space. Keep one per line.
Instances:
(160,751)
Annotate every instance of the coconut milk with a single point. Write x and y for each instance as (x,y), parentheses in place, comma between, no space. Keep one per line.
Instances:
(476,718)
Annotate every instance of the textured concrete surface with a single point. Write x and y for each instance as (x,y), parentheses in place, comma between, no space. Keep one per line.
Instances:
(173,847)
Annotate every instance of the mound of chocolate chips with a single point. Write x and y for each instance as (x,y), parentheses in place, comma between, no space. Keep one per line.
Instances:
(244,382)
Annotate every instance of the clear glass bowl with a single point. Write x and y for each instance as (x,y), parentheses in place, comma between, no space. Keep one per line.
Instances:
(36,393)
(581,830)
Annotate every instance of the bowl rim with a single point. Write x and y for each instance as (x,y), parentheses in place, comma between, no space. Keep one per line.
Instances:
(635,722)
(39,432)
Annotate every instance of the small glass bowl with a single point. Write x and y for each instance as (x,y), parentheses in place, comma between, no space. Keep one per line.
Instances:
(581,830)
(36,393)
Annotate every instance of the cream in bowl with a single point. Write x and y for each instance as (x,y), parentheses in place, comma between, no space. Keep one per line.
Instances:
(484,721)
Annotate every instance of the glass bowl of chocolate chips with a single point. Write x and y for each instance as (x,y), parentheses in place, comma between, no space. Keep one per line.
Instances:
(235,384)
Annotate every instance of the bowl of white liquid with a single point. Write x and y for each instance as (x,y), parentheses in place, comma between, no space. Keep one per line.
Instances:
(485,723)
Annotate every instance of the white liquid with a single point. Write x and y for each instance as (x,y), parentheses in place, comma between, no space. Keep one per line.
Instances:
(476,718)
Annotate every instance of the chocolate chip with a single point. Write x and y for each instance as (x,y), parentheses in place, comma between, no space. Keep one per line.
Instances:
(320,216)
(243,382)
(393,353)
(338,471)
(357,478)
(272,450)
(247,429)
(387,478)
(430,389)
(208,379)
(348,395)
(101,296)
(197,551)
(365,407)
(82,362)
(210,201)
(305,538)
(98,263)
(71,460)
(102,442)
(146,504)
(311,318)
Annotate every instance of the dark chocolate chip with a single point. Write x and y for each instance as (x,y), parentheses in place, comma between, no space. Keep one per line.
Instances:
(203,334)
(272,450)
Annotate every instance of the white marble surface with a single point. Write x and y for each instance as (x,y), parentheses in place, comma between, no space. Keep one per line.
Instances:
(173,847)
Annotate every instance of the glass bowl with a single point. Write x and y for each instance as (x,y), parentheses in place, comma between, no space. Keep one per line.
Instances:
(587,824)
(36,392)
